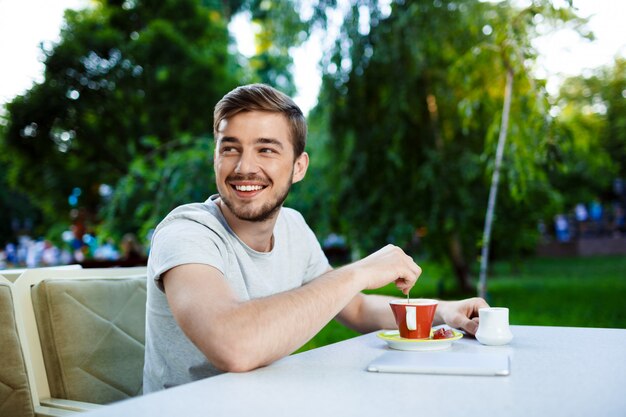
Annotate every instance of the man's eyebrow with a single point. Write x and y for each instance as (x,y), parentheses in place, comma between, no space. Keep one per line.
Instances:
(229,139)
(270,141)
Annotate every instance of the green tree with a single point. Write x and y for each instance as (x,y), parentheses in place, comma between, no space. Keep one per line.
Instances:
(592,123)
(181,171)
(125,78)
(124,113)
(414,103)
(17,213)
(510,42)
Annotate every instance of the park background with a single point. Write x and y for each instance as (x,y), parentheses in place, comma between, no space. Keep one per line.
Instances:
(408,109)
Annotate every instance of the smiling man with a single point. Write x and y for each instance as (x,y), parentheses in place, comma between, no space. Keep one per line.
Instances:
(255,165)
(240,281)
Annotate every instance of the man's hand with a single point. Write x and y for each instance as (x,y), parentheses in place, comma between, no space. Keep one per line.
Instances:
(462,314)
(386,265)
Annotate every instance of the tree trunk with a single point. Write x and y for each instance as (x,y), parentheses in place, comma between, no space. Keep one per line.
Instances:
(461,268)
(493,191)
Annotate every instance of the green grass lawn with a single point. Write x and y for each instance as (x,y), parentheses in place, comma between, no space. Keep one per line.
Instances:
(578,292)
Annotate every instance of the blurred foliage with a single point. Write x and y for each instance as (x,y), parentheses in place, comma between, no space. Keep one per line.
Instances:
(402,141)
(280,28)
(17,212)
(414,104)
(125,77)
(128,83)
(169,175)
(592,133)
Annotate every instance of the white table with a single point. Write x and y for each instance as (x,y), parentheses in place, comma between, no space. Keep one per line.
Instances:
(555,371)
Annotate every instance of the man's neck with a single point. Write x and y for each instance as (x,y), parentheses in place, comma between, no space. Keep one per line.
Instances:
(257,235)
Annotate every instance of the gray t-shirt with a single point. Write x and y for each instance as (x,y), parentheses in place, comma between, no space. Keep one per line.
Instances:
(198,233)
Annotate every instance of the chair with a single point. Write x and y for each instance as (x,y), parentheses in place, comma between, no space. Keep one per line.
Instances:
(84,332)
(15,394)
(13,274)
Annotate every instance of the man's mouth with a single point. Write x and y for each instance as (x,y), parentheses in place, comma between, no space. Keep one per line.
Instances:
(248,188)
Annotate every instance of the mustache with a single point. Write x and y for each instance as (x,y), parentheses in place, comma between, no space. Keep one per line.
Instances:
(252,178)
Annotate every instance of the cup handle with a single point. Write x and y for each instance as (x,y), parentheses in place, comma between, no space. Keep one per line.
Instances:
(411,318)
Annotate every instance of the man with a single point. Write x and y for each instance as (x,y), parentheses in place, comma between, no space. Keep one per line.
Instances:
(238,281)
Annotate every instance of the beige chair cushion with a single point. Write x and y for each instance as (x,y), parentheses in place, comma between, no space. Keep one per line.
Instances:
(92,337)
(15,399)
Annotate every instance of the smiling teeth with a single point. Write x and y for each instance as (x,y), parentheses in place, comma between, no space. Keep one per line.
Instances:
(248,187)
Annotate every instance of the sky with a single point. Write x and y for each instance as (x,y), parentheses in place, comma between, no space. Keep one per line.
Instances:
(24,24)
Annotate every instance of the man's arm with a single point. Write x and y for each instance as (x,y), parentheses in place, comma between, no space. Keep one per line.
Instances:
(242,335)
(368,312)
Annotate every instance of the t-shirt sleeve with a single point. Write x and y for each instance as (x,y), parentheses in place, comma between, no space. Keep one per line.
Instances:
(184,241)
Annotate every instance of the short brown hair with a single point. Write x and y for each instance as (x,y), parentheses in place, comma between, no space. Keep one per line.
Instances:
(262,97)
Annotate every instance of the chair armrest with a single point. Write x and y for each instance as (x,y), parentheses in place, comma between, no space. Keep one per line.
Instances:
(41,411)
(69,405)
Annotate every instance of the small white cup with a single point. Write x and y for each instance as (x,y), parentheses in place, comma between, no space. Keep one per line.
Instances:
(493,326)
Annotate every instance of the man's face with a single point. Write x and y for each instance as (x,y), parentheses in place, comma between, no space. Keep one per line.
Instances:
(254,164)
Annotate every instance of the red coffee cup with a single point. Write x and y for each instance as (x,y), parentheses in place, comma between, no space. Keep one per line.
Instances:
(414,317)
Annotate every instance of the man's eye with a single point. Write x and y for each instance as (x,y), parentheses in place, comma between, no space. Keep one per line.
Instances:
(268,150)
(229,149)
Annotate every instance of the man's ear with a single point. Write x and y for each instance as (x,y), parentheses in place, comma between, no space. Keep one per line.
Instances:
(300,166)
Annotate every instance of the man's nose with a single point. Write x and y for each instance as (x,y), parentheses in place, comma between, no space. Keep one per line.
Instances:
(247,163)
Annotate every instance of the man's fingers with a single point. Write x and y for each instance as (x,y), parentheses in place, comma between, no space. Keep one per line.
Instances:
(469,325)
(413,267)
(403,285)
(472,326)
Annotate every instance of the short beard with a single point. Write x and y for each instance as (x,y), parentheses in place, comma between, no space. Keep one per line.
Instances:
(266,212)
